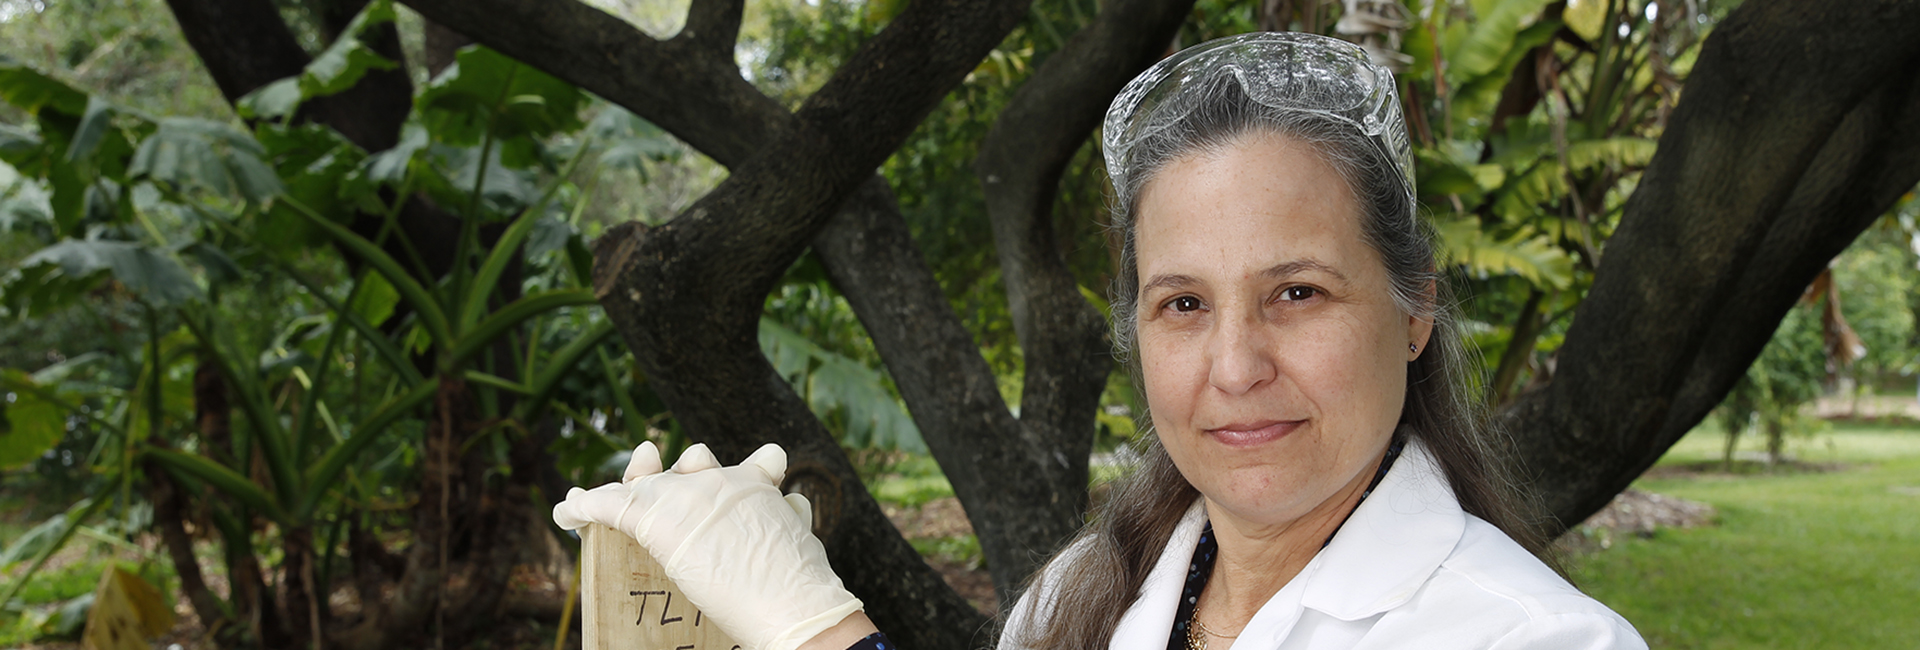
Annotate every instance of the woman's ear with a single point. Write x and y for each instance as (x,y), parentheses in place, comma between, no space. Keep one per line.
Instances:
(1420,327)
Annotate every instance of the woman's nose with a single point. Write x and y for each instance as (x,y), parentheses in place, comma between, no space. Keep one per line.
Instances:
(1241,357)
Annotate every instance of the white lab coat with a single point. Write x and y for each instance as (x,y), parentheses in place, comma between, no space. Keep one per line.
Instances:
(1409,569)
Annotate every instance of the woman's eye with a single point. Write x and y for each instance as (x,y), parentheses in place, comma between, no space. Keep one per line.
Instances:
(1185,303)
(1298,293)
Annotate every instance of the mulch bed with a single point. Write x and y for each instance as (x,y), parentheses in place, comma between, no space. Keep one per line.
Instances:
(1634,512)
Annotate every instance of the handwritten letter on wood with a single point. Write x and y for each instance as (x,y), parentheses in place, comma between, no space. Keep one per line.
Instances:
(628,604)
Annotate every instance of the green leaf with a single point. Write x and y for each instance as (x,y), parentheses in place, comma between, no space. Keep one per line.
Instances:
(221,269)
(250,396)
(28,204)
(1586,18)
(1522,196)
(30,91)
(194,153)
(559,365)
(843,393)
(156,278)
(432,316)
(376,300)
(1438,177)
(273,101)
(513,315)
(1524,254)
(1476,94)
(220,478)
(487,92)
(320,477)
(1618,153)
(504,251)
(507,192)
(348,58)
(19,147)
(32,542)
(94,124)
(314,164)
(29,425)
(549,234)
(1496,24)
(630,140)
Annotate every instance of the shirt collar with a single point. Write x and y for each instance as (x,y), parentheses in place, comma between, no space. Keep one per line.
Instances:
(1145,625)
(1393,542)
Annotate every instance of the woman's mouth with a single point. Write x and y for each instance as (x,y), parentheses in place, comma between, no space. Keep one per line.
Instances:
(1249,434)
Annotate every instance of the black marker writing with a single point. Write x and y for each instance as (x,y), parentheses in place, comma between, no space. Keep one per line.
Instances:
(643,603)
(663,612)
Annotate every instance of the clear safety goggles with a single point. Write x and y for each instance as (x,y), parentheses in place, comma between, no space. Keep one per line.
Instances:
(1281,70)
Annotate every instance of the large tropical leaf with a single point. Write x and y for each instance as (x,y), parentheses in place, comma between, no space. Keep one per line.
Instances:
(335,70)
(1524,254)
(29,424)
(485,92)
(1491,37)
(194,153)
(31,91)
(57,274)
(841,391)
(1617,153)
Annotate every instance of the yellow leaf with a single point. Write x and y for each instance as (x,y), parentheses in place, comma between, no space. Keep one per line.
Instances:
(126,612)
(1586,17)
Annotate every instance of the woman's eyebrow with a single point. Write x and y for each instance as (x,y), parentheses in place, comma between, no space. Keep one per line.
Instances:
(1295,267)
(1169,281)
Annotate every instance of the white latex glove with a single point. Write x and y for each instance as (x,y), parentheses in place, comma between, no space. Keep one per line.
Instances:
(744,554)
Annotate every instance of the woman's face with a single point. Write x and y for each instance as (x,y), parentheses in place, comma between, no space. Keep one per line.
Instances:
(1273,355)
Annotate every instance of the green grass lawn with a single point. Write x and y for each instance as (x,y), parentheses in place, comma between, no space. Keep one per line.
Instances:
(1797,560)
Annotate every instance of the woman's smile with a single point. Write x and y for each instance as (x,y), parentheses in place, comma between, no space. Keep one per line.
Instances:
(1254,433)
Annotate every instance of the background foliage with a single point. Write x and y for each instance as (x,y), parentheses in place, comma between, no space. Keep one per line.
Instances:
(153,237)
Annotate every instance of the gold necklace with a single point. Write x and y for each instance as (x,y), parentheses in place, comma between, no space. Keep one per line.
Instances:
(1195,641)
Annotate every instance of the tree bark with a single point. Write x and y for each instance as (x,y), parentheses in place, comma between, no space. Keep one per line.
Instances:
(1800,126)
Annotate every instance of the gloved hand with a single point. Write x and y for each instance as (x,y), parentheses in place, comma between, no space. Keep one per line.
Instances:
(744,554)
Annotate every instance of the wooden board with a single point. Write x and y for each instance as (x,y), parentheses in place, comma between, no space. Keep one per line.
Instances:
(627,603)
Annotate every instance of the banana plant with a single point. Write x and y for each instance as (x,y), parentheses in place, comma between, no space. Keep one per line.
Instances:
(131,202)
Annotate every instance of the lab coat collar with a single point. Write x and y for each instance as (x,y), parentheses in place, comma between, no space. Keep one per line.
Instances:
(1380,557)
(1147,623)
(1393,542)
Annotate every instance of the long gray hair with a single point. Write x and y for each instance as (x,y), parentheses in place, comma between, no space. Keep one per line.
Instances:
(1092,586)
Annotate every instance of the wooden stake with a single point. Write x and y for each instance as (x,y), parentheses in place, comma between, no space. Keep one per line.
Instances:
(628,604)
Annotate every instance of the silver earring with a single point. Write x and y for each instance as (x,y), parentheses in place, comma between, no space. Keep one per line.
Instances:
(1414,348)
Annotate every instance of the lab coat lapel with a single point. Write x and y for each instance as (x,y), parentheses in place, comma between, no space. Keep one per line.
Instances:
(1149,620)
(1393,542)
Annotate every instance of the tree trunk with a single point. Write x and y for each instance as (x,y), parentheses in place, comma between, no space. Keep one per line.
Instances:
(1800,126)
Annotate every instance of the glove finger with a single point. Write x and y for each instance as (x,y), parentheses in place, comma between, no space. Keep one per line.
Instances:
(603,504)
(645,462)
(772,460)
(802,507)
(694,459)
(567,515)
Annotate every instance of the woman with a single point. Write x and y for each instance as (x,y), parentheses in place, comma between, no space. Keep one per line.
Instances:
(1314,478)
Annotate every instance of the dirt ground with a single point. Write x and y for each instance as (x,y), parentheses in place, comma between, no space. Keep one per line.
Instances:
(945,518)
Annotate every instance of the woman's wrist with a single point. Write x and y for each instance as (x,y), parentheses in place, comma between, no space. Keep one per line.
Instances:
(843,635)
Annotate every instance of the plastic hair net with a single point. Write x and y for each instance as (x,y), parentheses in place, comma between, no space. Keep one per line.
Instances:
(1281,70)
